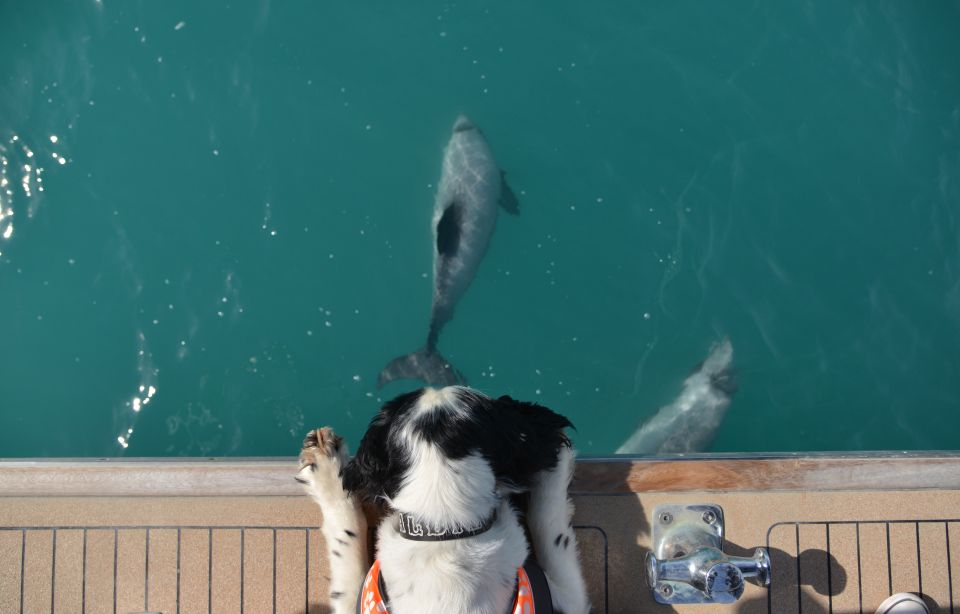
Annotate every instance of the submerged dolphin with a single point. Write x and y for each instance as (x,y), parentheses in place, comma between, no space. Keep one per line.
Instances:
(690,422)
(464,215)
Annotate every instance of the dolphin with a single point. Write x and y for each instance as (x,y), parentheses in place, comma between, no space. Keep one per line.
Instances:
(689,423)
(464,215)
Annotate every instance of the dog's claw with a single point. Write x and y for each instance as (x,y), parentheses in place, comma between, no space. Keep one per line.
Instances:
(323,438)
(317,444)
(312,440)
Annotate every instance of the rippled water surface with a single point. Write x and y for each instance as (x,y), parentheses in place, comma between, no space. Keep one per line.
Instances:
(215,217)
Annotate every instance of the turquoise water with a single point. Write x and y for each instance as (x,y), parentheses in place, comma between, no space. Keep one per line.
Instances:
(233,233)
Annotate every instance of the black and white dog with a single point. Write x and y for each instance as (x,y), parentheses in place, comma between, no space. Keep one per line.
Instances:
(455,473)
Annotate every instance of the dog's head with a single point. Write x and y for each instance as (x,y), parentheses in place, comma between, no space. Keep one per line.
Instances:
(450,454)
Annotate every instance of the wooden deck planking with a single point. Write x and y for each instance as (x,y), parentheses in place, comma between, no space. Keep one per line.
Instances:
(613,531)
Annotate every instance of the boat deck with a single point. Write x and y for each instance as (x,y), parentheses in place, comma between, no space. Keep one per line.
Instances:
(228,536)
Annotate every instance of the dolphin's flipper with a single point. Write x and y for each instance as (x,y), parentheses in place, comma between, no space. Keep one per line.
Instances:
(508,200)
(425,364)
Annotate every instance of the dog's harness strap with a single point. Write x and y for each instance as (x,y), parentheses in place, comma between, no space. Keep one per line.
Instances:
(539,587)
(416,529)
(532,588)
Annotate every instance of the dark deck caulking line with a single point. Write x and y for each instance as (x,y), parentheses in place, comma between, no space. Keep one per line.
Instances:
(859,571)
(889,563)
(115,540)
(770,588)
(799,593)
(83,589)
(919,564)
(178,570)
(146,572)
(210,571)
(53,571)
(946,530)
(23,564)
(306,584)
(274,570)
(829,575)
(243,577)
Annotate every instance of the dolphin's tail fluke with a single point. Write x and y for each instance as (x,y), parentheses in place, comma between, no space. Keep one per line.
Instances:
(425,364)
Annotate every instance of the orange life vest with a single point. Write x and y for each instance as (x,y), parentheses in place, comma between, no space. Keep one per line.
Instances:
(372,602)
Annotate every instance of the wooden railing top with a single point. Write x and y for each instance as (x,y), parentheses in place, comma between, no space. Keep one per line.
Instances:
(595,476)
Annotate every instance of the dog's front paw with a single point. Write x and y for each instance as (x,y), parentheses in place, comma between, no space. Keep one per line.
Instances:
(321,459)
(321,443)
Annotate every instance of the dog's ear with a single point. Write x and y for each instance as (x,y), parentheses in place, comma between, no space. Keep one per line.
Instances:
(375,471)
(366,473)
(526,439)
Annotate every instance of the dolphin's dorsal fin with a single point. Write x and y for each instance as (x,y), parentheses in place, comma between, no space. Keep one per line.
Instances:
(448,230)
(508,200)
